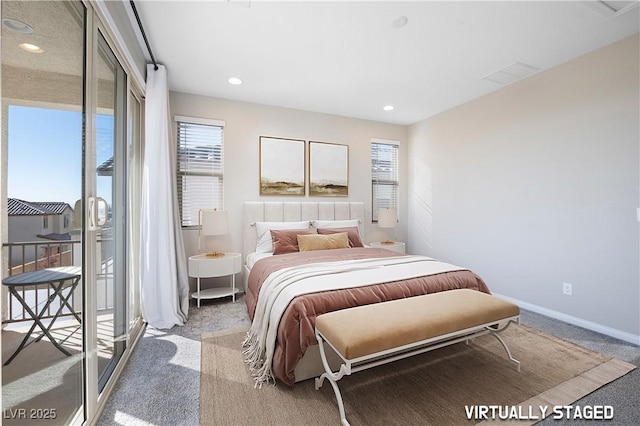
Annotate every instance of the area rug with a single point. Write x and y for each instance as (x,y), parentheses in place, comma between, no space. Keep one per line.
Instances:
(448,386)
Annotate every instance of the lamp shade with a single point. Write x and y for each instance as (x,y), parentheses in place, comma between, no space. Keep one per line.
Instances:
(214,222)
(387,218)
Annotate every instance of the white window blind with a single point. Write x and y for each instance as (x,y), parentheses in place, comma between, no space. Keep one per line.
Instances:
(384,177)
(200,169)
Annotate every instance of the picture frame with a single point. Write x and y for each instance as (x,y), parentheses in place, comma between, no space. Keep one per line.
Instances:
(328,169)
(282,166)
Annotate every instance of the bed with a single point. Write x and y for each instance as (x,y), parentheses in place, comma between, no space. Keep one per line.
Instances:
(285,292)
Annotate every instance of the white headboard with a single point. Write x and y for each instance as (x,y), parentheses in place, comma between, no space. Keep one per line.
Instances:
(262,211)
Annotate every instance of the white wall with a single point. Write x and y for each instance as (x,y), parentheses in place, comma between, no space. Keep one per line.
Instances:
(537,184)
(246,122)
(26,228)
(22,229)
(118,12)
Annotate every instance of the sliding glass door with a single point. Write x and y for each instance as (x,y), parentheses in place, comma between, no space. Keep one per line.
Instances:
(109,209)
(71,139)
(43,107)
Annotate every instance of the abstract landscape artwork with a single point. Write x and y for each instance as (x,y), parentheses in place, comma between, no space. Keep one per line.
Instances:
(328,169)
(282,170)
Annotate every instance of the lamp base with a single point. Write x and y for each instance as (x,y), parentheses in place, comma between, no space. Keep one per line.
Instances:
(214,254)
(387,242)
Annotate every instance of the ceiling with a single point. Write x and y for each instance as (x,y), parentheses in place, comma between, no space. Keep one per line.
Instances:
(347,58)
(58,30)
(55,75)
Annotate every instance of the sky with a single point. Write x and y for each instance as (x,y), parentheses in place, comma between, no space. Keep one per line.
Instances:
(45,154)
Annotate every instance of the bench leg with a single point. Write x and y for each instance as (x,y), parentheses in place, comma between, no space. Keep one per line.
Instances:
(494,332)
(506,348)
(332,378)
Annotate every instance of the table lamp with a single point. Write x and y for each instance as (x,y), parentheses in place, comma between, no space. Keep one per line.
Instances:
(387,218)
(212,222)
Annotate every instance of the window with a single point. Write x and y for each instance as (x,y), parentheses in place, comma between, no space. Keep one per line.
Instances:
(384,176)
(66,221)
(45,222)
(200,167)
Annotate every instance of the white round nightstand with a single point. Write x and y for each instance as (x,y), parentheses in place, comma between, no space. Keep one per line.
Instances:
(203,266)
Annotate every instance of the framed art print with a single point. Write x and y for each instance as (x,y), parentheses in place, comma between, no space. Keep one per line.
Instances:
(282,170)
(328,169)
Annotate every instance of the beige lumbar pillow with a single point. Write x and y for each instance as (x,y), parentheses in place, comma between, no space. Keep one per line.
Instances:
(323,242)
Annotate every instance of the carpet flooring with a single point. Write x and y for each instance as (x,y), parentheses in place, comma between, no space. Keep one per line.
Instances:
(161,383)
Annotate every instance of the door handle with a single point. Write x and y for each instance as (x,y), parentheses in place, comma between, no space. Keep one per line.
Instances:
(93,205)
(92,210)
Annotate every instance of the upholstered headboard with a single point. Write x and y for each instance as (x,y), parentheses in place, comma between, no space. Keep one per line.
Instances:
(259,211)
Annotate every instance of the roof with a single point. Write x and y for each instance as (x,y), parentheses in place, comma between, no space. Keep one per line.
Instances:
(18,207)
(106,168)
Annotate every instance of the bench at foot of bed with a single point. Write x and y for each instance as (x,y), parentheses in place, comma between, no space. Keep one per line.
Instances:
(372,335)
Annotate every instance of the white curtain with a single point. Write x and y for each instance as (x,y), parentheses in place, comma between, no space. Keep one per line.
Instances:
(165,282)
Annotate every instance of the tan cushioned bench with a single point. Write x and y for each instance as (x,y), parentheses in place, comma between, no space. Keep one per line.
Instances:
(365,330)
(371,335)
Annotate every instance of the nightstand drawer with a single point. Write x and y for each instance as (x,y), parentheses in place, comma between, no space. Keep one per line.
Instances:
(393,246)
(206,267)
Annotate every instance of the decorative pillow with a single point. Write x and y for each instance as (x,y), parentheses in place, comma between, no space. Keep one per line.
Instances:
(323,242)
(352,232)
(286,240)
(263,236)
(346,223)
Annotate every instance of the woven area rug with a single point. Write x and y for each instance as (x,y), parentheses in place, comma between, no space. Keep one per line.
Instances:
(435,388)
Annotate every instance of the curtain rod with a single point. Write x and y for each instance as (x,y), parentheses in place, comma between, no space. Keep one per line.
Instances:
(144,36)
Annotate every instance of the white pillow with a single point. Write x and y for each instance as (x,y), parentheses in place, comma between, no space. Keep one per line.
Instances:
(335,223)
(264,244)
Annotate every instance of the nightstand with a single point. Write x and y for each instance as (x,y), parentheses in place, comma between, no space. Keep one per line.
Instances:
(394,246)
(201,266)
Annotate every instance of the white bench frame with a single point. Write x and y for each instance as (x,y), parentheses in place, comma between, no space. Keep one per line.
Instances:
(350,366)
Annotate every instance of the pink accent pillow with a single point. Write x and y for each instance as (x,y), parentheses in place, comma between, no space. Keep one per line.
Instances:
(286,240)
(352,232)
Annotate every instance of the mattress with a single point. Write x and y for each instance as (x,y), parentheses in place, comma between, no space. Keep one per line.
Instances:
(252,258)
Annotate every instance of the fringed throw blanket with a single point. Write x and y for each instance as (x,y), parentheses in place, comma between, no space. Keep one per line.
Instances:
(282,286)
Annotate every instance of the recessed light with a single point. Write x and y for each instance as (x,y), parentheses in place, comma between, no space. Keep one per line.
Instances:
(31,48)
(235,81)
(388,108)
(17,26)
(399,22)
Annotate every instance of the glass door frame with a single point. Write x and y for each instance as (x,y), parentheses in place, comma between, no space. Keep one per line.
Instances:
(89,237)
(94,400)
(112,244)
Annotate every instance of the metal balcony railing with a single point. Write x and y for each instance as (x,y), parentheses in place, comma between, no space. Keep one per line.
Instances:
(37,255)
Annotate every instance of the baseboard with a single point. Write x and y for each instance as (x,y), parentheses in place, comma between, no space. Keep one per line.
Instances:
(589,325)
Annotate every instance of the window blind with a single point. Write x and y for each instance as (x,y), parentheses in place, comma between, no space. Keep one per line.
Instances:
(384,177)
(200,169)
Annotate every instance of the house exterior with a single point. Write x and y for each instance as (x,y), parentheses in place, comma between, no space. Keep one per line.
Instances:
(38,222)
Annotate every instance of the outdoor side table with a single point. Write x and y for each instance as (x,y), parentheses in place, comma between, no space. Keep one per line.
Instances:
(55,278)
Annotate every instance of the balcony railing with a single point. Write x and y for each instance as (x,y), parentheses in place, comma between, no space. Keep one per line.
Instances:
(37,255)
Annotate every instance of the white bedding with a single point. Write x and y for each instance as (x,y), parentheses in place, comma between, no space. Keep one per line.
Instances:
(252,258)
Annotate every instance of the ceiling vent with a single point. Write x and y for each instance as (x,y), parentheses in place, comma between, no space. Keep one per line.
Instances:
(511,73)
(612,8)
